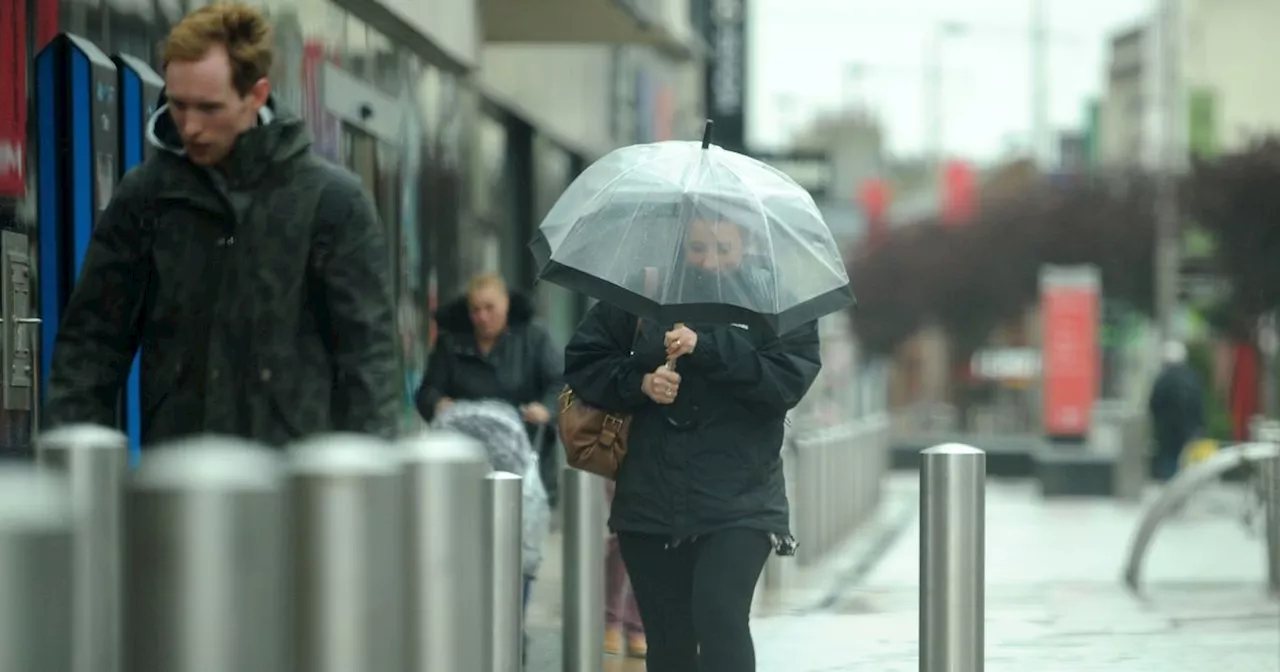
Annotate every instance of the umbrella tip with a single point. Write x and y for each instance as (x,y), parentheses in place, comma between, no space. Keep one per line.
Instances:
(706,134)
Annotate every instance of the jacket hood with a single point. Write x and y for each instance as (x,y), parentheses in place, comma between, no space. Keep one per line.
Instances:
(454,316)
(277,137)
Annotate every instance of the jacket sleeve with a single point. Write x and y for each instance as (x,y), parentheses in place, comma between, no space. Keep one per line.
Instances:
(775,376)
(599,364)
(550,369)
(99,332)
(357,292)
(435,380)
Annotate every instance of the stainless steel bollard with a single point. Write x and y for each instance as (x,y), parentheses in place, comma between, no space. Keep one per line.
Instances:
(444,489)
(347,534)
(1269,472)
(37,526)
(206,575)
(94,460)
(582,629)
(504,572)
(952,540)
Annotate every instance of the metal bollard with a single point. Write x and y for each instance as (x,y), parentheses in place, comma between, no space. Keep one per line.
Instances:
(952,540)
(94,459)
(37,527)
(504,571)
(583,607)
(347,537)
(1269,473)
(444,487)
(206,576)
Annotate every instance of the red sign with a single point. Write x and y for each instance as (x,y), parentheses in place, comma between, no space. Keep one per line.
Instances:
(326,129)
(13,107)
(873,197)
(664,114)
(1069,338)
(959,192)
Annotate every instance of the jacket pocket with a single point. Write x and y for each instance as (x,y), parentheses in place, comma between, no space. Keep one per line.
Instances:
(299,393)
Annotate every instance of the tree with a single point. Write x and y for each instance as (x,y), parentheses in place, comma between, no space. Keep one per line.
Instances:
(1236,198)
(971,279)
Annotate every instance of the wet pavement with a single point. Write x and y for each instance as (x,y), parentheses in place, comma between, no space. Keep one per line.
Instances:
(1055,601)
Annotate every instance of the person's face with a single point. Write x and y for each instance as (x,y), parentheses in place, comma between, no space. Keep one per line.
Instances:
(714,246)
(206,108)
(488,308)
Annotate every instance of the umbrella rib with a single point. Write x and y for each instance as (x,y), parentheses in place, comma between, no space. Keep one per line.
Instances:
(621,174)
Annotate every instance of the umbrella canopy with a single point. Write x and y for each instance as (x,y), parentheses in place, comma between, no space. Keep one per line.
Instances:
(688,232)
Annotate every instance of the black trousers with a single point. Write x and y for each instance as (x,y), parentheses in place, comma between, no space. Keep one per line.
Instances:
(695,598)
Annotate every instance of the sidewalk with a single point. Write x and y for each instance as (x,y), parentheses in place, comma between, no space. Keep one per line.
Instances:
(1055,601)
(544,616)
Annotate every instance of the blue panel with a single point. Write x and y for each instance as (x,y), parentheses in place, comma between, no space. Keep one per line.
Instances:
(132,124)
(48,217)
(82,207)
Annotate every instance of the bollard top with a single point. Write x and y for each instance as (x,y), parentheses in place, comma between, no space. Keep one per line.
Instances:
(441,446)
(952,449)
(208,462)
(82,437)
(342,454)
(33,499)
(501,476)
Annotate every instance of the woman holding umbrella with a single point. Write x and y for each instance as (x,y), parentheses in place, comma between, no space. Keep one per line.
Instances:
(700,500)
(736,266)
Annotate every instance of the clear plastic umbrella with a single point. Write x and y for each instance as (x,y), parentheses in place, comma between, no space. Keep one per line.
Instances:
(691,232)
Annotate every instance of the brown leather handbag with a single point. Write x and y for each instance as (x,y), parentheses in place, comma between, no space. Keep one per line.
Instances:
(594,440)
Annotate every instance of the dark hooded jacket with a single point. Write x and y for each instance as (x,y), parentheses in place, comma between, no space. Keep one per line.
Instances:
(1177,407)
(712,460)
(259,294)
(524,366)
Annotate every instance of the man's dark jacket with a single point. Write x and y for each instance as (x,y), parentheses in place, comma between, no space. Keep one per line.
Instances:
(259,294)
(524,365)
(712,460)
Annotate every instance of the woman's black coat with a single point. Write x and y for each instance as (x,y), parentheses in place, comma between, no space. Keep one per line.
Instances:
(712,460)
(524,365)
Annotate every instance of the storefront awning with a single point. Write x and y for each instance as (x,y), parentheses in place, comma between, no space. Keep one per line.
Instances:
(581,22)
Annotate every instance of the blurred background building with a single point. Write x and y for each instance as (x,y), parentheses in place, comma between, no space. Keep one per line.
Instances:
(896,117)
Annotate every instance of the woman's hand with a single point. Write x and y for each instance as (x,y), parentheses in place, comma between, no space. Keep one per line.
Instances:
(535,413)
(680,341)
(661,386)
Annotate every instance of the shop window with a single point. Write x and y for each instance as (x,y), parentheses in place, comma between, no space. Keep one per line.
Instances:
(492,196)
(558,307)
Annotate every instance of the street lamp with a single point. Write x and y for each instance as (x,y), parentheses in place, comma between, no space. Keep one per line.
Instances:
(934,88)
(1040,138)
(1172,100)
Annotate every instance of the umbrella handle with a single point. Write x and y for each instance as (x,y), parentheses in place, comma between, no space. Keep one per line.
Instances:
(671,363)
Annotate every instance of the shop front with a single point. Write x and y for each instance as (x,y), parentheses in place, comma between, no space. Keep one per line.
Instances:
(553,169)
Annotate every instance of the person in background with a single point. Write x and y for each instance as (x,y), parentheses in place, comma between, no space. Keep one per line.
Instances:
(489,348)
(701,498)
(251,273)
(1177,410)
(622,624)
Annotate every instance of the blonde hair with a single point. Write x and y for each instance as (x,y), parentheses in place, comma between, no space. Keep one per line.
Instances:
(239,28)
(486,281)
